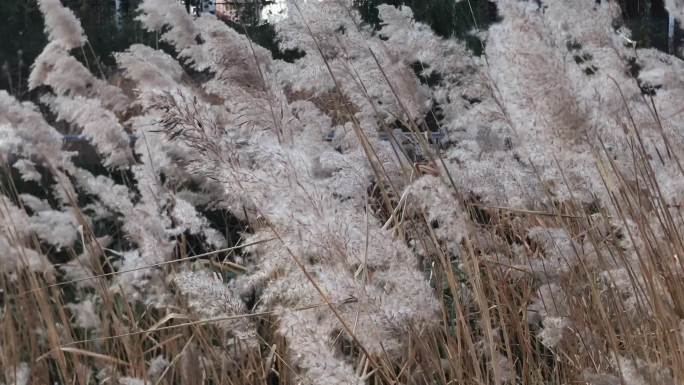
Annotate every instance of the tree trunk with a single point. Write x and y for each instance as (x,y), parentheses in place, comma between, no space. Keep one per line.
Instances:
(117,14)
(670,34)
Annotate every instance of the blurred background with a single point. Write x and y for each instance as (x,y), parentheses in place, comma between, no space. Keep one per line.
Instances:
(110,26)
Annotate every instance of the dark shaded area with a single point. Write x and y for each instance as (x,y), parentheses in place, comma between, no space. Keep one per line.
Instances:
(432,121)
(11,184)
(446,17)
(88,159)
(23,40)
(649,24)
(108,30)
(227,224)
(431,80)
(633,69)
(265,35)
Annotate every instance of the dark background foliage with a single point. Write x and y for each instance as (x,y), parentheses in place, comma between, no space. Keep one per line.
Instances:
(110,31)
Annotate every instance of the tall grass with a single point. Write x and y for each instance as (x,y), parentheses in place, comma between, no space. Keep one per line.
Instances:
(488,334)
(515,308)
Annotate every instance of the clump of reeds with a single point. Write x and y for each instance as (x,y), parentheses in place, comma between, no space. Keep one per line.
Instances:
(252,222)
